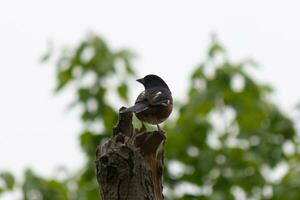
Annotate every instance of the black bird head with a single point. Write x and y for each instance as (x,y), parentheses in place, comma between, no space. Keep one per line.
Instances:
(152,81)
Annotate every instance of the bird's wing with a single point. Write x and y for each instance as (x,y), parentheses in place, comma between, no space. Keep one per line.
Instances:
(137,108)
(159,96)
(140,105)
(150,97)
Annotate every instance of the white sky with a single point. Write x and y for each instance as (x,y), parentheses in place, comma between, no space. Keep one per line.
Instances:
(170,37)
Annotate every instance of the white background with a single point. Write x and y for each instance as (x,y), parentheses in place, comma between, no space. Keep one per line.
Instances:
(170,37)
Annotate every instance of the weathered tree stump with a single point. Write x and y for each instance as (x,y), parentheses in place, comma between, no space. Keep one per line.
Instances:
(129,165)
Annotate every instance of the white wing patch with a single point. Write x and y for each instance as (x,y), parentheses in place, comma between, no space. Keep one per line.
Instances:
(166,103)
(157,95)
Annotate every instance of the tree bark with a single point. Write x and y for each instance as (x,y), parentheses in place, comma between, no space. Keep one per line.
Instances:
(129,165)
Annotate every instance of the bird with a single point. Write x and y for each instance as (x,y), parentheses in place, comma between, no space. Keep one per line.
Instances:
(155,104)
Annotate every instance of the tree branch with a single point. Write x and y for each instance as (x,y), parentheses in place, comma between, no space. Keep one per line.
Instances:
(129,165)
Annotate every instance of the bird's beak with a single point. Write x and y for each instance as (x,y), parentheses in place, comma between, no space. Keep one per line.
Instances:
(141,80)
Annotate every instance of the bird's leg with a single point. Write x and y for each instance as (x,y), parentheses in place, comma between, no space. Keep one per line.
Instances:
(143,128)
(158,128)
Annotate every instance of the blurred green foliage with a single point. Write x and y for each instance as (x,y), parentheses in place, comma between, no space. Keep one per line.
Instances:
(226,141)
(7,182)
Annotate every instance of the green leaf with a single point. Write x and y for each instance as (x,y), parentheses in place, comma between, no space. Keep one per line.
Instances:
(8,179)
(215,49)
(123,91)
(64,77)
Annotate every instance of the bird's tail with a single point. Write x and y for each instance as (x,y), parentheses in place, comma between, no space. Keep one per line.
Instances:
(139,107)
